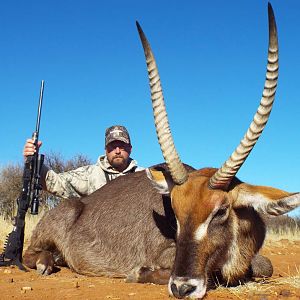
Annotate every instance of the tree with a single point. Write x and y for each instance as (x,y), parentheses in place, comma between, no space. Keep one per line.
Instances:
(10,188)
(11,181)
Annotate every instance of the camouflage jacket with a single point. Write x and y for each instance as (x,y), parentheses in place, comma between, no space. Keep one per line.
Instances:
(84,180)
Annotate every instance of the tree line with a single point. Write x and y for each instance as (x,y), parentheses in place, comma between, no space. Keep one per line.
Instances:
(11,182)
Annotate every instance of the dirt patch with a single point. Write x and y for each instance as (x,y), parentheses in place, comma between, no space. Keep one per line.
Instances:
(284,284)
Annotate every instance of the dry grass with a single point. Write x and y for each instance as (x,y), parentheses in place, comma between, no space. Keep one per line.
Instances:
(6,227)
(290,235)
(263,288)
(283,227)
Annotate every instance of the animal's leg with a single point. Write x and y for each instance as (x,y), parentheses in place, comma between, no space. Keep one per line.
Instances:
(150,275)
(48,238)
(160,274)
(157,276)
(261,266)
(39,253)
(42,261)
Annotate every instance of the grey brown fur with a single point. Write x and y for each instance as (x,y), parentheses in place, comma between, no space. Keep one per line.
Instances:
(115,231)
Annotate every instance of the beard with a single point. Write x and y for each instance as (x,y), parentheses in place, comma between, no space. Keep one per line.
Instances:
(118,161)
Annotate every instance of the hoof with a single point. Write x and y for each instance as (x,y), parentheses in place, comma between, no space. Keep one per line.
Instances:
(43,269)
(45,263)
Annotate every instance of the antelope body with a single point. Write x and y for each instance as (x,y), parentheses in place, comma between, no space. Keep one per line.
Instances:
(169,224)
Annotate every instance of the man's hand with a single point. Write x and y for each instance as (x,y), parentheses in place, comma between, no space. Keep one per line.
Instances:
(29,148)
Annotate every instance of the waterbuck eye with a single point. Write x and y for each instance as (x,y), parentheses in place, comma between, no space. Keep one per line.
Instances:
(222,212)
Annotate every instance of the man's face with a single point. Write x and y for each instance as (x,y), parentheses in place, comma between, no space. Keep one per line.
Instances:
(117,153)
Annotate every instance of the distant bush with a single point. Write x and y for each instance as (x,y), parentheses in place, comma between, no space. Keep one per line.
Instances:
(10,188)
(11,182)
(282,225)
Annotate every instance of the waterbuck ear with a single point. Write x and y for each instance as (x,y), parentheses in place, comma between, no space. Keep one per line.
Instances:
(161,181)
(267,199)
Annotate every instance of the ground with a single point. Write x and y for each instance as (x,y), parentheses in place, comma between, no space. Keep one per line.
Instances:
(284,284)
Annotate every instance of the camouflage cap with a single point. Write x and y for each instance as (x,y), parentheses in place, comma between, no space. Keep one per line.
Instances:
(116,133)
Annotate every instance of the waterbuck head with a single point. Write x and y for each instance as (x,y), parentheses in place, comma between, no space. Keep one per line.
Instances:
(218,228)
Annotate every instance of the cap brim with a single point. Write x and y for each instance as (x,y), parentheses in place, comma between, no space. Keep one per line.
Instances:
(122,139)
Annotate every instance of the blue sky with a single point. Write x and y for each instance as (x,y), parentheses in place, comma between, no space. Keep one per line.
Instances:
(212,60)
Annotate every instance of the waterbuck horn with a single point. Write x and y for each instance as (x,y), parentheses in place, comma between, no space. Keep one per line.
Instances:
(222,178)
(177,170)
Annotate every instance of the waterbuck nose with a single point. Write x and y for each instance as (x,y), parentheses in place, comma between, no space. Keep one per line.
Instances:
(183,290)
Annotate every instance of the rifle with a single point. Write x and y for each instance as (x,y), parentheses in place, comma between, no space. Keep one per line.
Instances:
(13,246)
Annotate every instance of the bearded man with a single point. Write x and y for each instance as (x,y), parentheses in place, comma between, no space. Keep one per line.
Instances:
(85,180)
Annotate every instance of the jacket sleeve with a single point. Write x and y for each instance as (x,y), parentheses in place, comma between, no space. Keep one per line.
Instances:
(67,184)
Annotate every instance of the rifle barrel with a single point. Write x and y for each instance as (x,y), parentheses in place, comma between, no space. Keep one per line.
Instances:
(40,108)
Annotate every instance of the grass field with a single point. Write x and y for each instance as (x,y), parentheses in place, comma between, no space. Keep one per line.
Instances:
(6,227)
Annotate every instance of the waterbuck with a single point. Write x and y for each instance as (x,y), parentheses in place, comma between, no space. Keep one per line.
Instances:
(171,224)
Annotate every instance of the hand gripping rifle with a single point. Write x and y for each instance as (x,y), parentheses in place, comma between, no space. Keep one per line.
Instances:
(13,248)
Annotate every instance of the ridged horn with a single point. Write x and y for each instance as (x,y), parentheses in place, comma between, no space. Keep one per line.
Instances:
(222,178)
(177,170)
